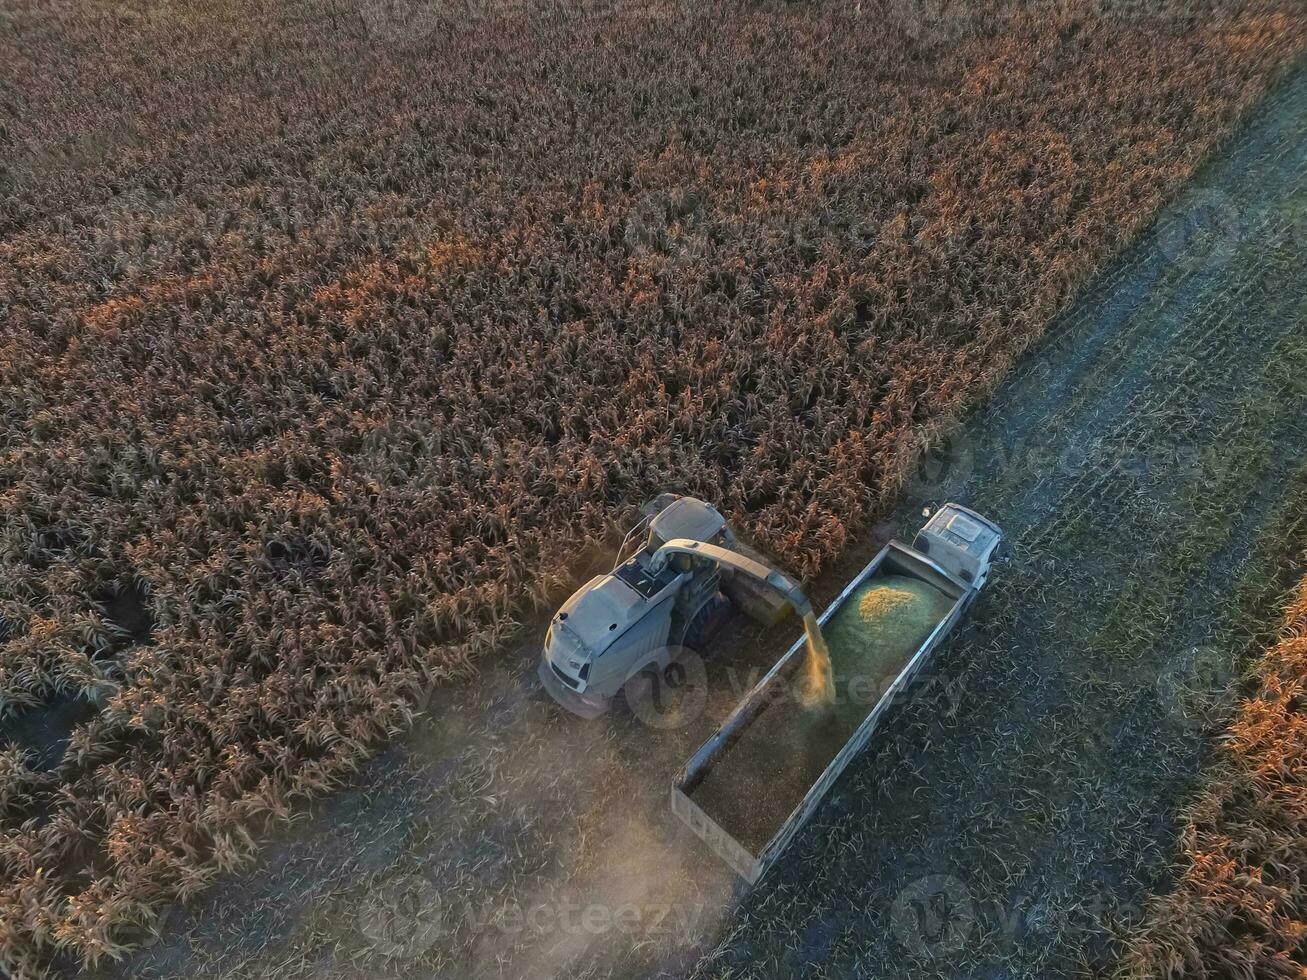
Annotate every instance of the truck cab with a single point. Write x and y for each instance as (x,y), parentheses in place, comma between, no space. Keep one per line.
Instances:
(961,542)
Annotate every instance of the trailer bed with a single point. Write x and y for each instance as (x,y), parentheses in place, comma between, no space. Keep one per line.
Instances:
(749,787)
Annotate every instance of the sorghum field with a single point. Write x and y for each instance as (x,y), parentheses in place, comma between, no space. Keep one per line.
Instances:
(335,335)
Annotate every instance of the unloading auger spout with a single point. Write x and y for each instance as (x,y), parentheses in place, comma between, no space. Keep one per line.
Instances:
(785,586)
(818,688)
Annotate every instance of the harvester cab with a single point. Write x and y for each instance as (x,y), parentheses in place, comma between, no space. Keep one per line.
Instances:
(667,593)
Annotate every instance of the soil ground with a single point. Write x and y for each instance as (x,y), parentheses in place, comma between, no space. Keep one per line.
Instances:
(1018,806)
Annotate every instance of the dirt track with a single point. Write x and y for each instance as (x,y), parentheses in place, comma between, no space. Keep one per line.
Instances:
(1024,804)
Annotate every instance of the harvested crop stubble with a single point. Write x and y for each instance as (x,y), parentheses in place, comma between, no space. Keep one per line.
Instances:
(1239,907)
(338,340)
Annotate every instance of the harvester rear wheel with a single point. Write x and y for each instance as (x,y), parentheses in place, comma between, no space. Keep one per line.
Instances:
(710,618)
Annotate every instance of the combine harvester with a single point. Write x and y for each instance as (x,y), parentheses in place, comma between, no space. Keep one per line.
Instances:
(755,782)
